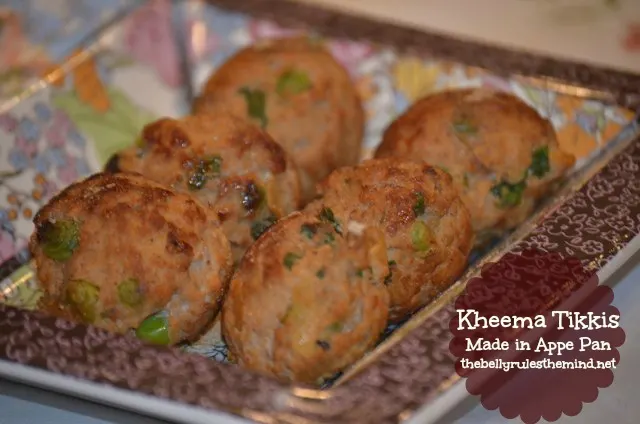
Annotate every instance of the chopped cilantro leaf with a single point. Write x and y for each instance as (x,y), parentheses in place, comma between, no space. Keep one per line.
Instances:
(329,238)
(205,170)
(540,162)
(419,206)
(326,215)
(290,259)
(509,195)
(308,230)
(256,104)
(259,227)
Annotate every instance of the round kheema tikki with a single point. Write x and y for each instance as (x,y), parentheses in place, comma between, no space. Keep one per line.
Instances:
(308,299)
(298,92)
(427,228)
(229,164)
(125,253)
(503,156)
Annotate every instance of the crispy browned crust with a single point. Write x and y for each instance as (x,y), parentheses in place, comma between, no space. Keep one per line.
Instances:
(322,128)
(133,228)
(385,193)
(306,320)
(257,179)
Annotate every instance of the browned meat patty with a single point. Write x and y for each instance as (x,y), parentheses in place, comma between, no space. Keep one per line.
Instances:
(502,155)
(301,95)
(227,163)
(427,228)
(308,299)
(122,252)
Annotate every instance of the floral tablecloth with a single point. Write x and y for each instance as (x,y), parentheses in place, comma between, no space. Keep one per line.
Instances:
(35,35)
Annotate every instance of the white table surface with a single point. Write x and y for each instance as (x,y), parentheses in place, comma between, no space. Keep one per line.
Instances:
(526,24)
(587,31)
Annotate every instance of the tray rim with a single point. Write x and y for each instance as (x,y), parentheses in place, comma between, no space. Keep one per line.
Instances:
(605,84)
(339,395)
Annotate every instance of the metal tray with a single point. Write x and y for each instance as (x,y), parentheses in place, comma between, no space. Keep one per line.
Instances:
(66,126)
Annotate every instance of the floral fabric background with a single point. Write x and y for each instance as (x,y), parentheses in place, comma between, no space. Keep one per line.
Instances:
(69,128)
(36,34)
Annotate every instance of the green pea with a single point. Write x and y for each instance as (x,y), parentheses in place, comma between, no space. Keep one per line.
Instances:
(154,329)
(60,239)
(129,292)
(293,82)
(290,259)
(420,236)
(83,297)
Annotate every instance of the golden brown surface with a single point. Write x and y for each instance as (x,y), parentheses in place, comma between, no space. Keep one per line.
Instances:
(307,299)
(301,95)
(492,143)
(128,228)
(228,164)
(427,228)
